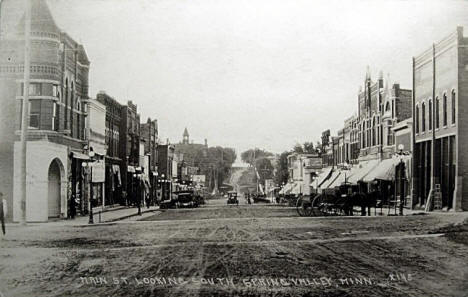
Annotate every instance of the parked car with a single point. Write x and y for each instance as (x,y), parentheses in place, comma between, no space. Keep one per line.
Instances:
(168,203)
(232,198)
(187,199)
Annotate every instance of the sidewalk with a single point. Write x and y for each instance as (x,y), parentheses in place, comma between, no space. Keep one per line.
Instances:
(110,215)
(99,217)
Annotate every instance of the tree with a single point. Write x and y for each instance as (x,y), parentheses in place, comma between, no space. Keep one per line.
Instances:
(264,168)
(309,147)
(213,162)
(249,156)
(298,148)
(282,173)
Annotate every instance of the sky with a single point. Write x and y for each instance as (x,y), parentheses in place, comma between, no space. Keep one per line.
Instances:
(251,73)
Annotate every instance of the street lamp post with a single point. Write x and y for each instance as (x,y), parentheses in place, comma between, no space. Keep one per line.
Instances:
(163,181)
(89,174)
(139,191)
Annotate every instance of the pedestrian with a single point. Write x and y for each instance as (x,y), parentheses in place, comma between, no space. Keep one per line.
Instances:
(72,213)
(148,200)
(3,211)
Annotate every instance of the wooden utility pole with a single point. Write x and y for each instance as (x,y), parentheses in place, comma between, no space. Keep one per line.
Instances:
(25,110)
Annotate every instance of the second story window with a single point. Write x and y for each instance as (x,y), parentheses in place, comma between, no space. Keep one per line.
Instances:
(416,121)
(430,115)
(437,113)
(34,89)
(34,115)
(454,107)
(444,110)
(423,117)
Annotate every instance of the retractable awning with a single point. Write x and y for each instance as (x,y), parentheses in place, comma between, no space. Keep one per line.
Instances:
(287,188)
(322,177)
(361,170)
(327,184)
(385,170)
(80,156)
(342,178)
(297,188)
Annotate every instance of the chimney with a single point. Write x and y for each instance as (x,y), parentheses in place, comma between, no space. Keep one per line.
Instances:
(206,142)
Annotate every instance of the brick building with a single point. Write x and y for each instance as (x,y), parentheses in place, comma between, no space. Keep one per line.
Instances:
(149,134)
(166,155)
(59,84)
(380,107)
(130,148)
(440,82)
(114,163)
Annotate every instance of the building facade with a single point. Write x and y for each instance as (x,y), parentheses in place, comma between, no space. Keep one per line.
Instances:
(130,150)
(56,134)
(96,136)
(166,154)
(380,107)
(149,134)
(114,191)
(440,129)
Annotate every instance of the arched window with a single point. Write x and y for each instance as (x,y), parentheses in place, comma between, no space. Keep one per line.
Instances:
(454,107)
(437,113)
(387,106)
(78,104)
(430,114)
(423,117)
(417,119)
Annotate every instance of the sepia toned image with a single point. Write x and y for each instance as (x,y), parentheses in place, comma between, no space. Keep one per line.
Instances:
(233,148)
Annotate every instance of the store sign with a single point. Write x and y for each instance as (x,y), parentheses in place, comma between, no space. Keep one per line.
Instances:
(98,172)
(199,179)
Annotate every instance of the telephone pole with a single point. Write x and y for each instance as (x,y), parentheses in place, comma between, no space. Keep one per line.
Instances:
(25,110)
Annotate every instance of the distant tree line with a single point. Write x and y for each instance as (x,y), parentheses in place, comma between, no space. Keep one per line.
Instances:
(261,159)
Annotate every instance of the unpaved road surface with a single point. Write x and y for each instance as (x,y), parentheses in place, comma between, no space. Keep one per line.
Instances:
(248,250)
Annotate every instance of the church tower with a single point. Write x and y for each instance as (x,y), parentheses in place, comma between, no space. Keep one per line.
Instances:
(186,137)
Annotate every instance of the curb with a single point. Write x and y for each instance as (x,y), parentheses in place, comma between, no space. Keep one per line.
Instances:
(128,216)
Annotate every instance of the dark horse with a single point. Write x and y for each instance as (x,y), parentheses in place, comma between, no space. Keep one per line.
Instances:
(364,200)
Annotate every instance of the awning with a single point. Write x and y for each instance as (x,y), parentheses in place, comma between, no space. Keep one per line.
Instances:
(297,189)
(287,188)
(385,170)
(327,184)
(272,189)
(361,170)
(80,156)
(340,179)
(131,169)
(322,177)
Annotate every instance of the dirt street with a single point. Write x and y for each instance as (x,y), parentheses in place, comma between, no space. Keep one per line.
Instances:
(227,250)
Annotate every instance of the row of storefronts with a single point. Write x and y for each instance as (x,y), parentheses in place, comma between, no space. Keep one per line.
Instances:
(406,145)
(82,152)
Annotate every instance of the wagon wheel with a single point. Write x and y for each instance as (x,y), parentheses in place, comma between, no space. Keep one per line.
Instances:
(319,205)
(304,207)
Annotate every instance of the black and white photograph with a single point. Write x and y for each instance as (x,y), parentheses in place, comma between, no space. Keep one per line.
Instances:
(260,148)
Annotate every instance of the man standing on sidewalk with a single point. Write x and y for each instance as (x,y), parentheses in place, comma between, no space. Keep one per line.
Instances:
(2,212)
